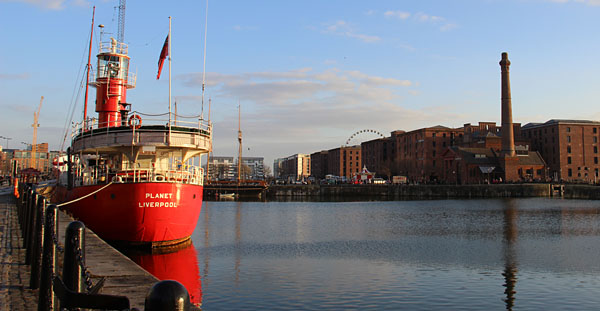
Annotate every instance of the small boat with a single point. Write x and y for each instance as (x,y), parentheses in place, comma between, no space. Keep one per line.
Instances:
(226,196)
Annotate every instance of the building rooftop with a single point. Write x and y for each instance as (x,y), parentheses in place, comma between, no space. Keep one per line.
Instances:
(560,121)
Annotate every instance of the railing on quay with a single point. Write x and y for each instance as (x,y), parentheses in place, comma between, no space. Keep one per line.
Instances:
(73,288)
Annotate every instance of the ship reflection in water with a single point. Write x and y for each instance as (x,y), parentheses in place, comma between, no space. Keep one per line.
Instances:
(180,265)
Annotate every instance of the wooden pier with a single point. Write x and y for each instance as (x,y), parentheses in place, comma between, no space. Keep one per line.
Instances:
(123,276)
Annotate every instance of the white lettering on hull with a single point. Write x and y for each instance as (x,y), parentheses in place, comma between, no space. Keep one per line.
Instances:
(157,204)
(167,195)
(159,195)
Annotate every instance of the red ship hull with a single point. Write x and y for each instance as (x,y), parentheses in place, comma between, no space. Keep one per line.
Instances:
(155,213)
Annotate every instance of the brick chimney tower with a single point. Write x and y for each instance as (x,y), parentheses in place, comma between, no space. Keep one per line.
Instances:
(508,139)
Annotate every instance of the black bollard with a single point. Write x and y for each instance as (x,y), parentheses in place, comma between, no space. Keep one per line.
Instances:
(23,208)
(31,227)
(167,295)
(38,244)
(27,216)
(74,245)
(26,209)
(46,294)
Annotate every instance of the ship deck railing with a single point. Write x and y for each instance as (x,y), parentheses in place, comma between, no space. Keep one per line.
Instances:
(162,130)
(192,175)
(149,122)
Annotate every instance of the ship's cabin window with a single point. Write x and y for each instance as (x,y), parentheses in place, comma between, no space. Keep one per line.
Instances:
(113,66)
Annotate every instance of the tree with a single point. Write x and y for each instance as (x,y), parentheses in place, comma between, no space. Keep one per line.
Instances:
(267,172)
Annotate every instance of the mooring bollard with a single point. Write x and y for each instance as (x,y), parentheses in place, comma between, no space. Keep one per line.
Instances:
(46,294)
(23,208)
(167,295)
(74,248)
(38,244)
(31,227)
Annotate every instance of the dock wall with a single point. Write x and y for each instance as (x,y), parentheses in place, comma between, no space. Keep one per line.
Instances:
(401,192)
(586,192)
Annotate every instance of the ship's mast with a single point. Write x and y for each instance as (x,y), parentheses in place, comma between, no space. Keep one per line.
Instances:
(89,65)
(169,49)
(240,143)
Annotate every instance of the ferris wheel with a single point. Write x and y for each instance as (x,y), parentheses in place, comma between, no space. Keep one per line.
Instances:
(366,131)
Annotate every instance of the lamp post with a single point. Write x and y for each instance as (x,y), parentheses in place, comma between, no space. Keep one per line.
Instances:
(7,139)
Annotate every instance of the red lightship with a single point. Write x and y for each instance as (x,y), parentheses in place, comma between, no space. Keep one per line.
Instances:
(133,177)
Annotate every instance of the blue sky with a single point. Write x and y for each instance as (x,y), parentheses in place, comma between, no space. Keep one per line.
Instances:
(308,74)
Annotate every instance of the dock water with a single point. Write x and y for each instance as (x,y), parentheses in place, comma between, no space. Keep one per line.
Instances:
(123,276)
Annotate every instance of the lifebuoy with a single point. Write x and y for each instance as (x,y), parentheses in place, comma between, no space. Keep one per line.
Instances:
(135,121)
(159,178)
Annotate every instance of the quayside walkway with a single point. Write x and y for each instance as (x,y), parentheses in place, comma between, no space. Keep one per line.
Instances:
(122,276)
(14,273)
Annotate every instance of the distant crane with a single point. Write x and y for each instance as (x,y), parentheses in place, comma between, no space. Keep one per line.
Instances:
(121,28)
(35,125)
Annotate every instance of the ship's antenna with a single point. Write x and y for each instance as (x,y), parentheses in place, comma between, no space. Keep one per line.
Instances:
(121,28)
(204,61)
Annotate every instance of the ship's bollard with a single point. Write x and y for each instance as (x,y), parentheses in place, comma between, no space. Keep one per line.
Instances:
(31,227)
(38,244)
(46,294)
(74,243)
(167,295)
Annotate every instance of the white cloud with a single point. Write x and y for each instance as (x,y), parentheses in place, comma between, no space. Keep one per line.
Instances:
(304,111)
(426,18)
(422,17)
(342,28)
(397,14)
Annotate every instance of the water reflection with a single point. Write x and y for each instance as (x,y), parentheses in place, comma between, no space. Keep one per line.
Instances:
(180,265)
(400,255)
(510,262)
(238,240)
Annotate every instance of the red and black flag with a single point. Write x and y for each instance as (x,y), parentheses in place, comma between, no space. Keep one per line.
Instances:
(163,54)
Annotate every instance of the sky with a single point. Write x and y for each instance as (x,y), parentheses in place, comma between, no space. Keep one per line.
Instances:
(307,74)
